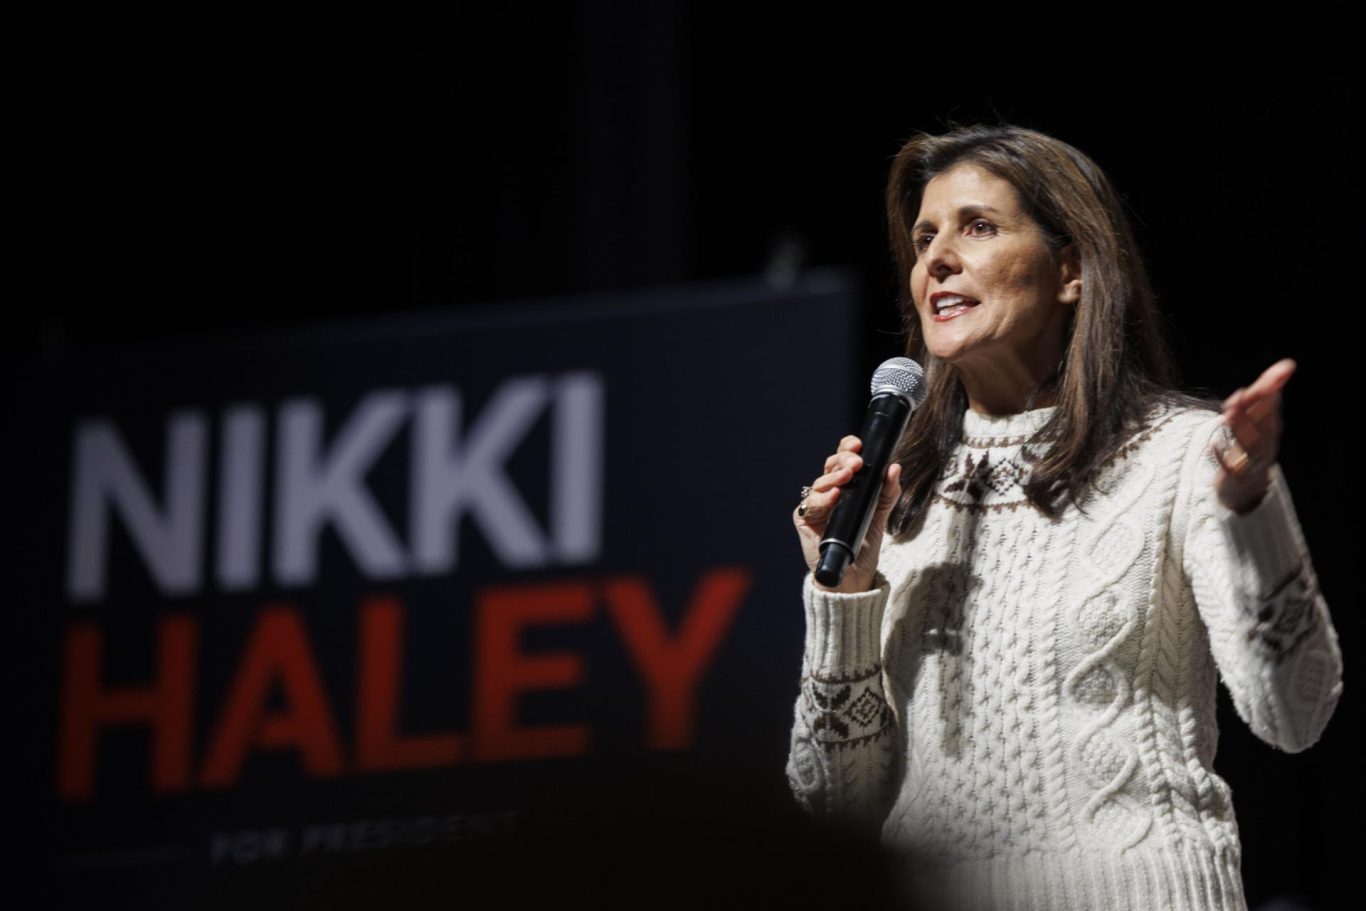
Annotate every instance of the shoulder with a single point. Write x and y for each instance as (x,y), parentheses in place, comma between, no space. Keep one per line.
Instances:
(1155,454)
(1188,438)
(1179,449)
(1173,428)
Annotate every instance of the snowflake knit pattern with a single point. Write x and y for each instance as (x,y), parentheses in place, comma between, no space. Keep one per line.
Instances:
(1025,707)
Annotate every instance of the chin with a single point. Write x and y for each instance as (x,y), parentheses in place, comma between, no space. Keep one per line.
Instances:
(952,355)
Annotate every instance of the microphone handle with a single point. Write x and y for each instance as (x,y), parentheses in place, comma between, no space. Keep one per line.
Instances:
(881,431)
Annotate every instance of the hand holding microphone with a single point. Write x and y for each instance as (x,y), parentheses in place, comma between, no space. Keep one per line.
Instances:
(841,520)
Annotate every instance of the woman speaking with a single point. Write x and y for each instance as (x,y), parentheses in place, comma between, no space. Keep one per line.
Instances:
(1014,682)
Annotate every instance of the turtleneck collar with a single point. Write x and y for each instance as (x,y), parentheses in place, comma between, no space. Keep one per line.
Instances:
(1003,429)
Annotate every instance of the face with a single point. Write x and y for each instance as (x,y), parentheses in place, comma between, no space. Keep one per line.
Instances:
(975,241)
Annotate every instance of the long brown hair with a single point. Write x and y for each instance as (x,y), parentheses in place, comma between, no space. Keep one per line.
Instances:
(1116,364)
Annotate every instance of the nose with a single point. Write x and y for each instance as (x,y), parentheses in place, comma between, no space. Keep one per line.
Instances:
(941,259)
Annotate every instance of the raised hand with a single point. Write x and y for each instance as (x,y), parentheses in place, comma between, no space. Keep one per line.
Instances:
(1253,416)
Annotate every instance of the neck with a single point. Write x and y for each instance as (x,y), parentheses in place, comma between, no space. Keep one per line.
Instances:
(1015,374)
(1012,380)
(1010,397)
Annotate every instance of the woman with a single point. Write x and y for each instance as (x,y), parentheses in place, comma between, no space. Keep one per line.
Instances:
(1015,683)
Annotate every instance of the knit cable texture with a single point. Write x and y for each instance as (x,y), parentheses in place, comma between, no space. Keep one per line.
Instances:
(1024,708)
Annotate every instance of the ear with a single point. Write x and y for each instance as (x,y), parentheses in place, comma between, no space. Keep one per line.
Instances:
(1069,275)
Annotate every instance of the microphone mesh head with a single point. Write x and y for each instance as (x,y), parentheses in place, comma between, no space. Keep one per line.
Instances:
(902,376)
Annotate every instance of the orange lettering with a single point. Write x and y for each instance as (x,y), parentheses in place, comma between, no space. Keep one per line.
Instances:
(167,705)
(277,649)
(379,746)
(502,671)
(671,668)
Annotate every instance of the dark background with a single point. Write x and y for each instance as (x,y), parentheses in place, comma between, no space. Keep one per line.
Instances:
(233,168)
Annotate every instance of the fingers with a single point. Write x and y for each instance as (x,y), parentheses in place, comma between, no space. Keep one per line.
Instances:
(1253,416)
(1274,377)
(1241,484)
(815,509)
(1255,436)
(833,478)
(1237,441)
(1262,398)
(851,461)
(891,490)
(839,470)
(1253,406)
(1235,459)
(1262,414)
(848,445)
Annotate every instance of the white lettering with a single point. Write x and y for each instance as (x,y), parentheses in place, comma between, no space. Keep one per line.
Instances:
(576,466)
(105,480)
(454,472)
(313,488)
(450,478)
(241,488)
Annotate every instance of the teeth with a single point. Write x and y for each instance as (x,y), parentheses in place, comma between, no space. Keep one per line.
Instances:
(949,301)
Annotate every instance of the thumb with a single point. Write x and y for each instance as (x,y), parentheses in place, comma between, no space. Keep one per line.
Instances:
(891,490)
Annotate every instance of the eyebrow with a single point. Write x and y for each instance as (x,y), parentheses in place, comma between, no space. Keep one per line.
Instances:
(963,213)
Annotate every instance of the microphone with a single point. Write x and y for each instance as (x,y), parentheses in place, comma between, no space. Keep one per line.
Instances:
(898,389)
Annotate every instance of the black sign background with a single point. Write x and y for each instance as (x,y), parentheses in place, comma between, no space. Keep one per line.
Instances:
(718,402)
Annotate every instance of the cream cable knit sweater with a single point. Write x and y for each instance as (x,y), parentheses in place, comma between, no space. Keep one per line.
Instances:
(1026,707)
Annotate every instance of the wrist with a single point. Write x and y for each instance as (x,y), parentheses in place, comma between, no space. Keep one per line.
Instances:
(1248,503)
(846,587)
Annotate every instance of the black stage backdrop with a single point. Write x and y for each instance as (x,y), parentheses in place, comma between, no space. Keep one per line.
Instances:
(241,220)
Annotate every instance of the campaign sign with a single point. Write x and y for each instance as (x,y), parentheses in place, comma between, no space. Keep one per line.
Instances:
(446,582)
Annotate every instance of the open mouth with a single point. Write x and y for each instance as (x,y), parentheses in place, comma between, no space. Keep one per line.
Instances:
(948,306)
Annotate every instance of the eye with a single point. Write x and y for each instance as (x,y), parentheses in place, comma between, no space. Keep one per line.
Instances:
(921,242)
(980,227)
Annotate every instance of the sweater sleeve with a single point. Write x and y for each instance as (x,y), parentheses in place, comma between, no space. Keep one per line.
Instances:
(842,760)
(1255,588)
